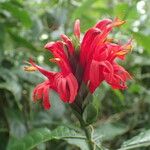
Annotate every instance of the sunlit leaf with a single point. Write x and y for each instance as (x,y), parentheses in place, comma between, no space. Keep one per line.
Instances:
(38,136)
(141,140)
(108,131)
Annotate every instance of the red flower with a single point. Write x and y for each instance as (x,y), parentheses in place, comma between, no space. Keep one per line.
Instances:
(98,56)
(93,61)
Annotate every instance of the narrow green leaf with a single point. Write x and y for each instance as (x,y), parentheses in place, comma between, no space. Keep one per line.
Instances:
(141,140)
(18,12)
(22,41)
(119,95)
(40,135)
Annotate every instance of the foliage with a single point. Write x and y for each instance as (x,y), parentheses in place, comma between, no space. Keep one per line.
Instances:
(123,116)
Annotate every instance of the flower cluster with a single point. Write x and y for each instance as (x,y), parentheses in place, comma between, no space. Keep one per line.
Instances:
(91,61)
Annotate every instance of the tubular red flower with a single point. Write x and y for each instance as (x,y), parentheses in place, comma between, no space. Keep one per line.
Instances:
(93,62)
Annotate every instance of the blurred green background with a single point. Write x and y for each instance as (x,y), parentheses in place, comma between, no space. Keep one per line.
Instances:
(27,25)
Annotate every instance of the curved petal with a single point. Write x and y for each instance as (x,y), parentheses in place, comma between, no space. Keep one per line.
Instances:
(103,23)
(68,43)
(48,74)
(38,91)
(57,49)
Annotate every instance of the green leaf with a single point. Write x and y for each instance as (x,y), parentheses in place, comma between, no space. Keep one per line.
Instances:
(14,88)
(79,143)
(97,99)
(11,84)
(18,12)
(2,37)
(141,140)
(15,119)
(90,113)
(4,130)
(142,40)
(119,95)
(108,131)
(22,41)
(40,135)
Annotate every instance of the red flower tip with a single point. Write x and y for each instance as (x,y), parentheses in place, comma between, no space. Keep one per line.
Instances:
(49,45)
(68,43)
(103,23)
(77,28)
(64,37)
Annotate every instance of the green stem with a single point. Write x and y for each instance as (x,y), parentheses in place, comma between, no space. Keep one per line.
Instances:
(84,128)
(88,136)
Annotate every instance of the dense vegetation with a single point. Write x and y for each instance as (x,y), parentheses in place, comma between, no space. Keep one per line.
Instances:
(123,116)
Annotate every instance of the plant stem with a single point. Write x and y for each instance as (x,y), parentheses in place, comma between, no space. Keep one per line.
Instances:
(88,136)
(84,127)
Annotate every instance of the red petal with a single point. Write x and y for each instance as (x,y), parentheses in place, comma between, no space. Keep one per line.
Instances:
(86,48)
(49,45)
(94,73)
(73,87)
(96,76)
(46,102)
(68,43)
(77,28)
(103,23)
(48,74)
(36,94)
(62,89)
(101,54)
(57,49)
